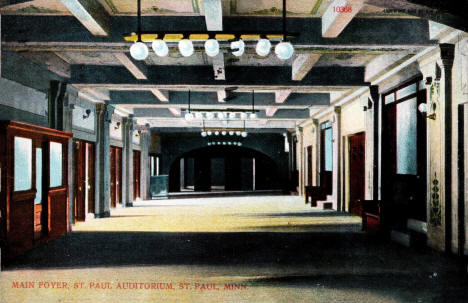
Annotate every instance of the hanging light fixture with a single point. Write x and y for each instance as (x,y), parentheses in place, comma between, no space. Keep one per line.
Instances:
(263,47)
(284,50)
(186,47)
(160,48)
(212,47)
(238,47)
(139,50)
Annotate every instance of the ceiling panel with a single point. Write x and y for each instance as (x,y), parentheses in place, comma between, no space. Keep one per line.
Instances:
(274,7)
(344,59)
(175,58)
(149,7)
(92,58)
(36,7)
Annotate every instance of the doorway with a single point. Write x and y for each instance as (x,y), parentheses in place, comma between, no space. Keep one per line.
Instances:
(357,144)
(309,166)
(326,157)
(404,155)
(84,179)
(116,175)
(136,174)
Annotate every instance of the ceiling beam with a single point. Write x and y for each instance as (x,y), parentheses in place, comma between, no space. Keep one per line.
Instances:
(218,67)
(91,14)
(162,95)
(170,75)
(270,111)
(303,64)
(282,114)
(98,93)
(175,111)
(42,29)
(50,61)
(213,11)
(210,99)
(183,126)
(448,12)
(221,95)
(282,95)
(131,66)
(338,15)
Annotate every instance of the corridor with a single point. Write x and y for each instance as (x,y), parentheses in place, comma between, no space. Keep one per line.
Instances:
(233,249)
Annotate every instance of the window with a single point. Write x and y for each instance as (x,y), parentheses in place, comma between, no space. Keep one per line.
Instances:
(55,164)
(23,164)
(406,134)
(38,199)
(328,149)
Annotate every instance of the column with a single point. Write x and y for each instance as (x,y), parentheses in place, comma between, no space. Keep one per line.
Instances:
(102,161)
(127,161)
(336,158)
(373,138)
(300,158)
(446,55)
(67,119)
(144,162)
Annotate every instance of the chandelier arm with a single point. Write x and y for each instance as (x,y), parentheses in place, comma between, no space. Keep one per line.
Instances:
(139,20)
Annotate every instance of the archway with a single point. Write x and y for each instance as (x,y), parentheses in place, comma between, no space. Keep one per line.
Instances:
(223,168)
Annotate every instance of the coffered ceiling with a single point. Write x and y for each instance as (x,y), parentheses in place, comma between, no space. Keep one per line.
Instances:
(82,41)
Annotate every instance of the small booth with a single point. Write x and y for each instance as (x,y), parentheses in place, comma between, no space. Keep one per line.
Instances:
(33,186)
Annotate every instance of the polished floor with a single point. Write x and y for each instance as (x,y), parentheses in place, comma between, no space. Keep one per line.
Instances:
(229,249)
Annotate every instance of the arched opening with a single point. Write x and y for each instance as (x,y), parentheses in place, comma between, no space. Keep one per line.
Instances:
(223,168)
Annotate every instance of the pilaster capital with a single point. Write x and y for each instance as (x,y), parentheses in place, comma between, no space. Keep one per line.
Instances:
(447,53)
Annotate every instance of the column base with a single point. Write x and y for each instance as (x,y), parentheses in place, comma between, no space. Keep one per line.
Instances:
(129,204)
(102,215)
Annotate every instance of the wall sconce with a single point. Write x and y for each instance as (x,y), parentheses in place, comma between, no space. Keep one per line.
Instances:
(368,106)
(137,135)
(423,109)
(87,113)
(117,126)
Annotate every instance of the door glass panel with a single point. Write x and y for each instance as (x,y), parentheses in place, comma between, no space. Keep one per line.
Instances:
(406,91)
(389,98)
(406,137)
(23,164)
(328,150)
(55,164)
(38,199)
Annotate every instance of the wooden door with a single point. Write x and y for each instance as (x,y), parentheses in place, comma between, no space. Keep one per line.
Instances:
(80,181)
(113,176)
(356,172)
(91,181)
(136,174)
(309,165)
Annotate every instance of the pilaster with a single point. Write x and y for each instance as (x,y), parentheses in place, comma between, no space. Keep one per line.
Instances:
(336,192)
(144,163)
(127,161)
(447,55)
(102,161)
